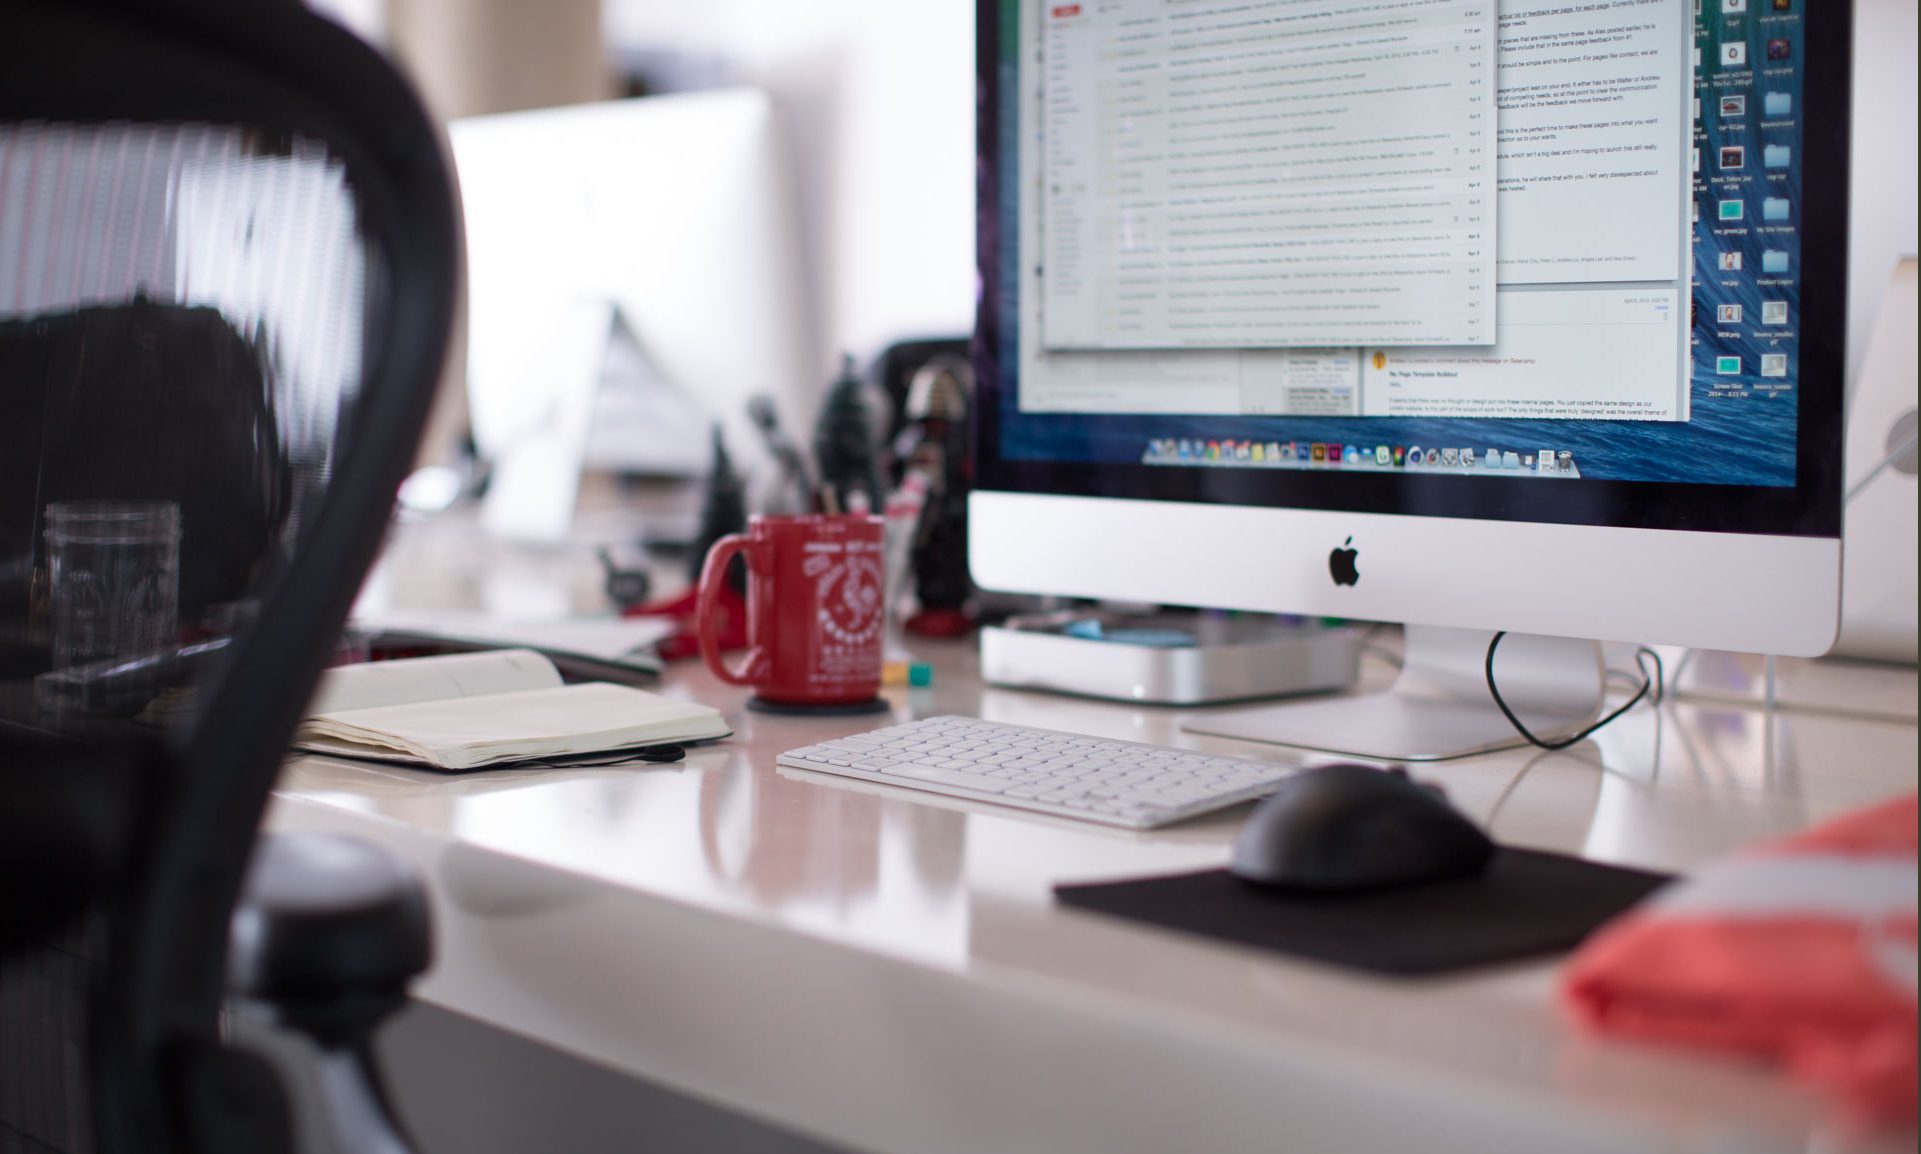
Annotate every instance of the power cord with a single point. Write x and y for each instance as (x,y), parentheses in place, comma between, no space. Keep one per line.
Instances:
(1650,680)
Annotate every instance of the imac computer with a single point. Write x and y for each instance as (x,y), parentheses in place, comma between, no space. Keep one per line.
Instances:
(633,279)
(1478,317)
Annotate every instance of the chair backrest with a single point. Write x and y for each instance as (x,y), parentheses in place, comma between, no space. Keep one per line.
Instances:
(228,258)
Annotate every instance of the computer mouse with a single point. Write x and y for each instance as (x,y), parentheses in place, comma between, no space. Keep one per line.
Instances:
(1341,828)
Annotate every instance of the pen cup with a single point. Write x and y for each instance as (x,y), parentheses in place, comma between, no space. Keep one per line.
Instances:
(815,593)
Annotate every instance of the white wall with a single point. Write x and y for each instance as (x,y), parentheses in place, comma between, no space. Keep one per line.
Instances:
(880,100)
(1883,218)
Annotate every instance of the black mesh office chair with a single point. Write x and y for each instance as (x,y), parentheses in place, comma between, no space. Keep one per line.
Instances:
(227,267)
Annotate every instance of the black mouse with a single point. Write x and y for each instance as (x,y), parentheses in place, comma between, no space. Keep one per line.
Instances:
(1342,828)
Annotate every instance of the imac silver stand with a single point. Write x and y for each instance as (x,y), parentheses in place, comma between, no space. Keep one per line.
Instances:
(1440,707)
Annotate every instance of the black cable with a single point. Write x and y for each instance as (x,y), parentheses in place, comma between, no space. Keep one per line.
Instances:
(1654,679)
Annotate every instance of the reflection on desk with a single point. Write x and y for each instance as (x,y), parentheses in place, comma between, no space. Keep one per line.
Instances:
(885,970)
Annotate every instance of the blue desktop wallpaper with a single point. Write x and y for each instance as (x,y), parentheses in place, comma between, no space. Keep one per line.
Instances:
(1742,429)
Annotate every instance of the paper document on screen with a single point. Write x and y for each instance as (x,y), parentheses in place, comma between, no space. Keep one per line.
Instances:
(1609,355)
(1250,175)
(1594,123)
(1296,382)
(1596,117)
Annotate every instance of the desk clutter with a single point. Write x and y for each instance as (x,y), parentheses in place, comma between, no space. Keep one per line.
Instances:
(891,444)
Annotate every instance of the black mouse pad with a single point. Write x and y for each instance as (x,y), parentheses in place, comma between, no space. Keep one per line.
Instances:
(1527,903)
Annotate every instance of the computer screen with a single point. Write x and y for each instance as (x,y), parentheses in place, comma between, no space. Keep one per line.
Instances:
(633,280)
(1520,246)
(1525,263)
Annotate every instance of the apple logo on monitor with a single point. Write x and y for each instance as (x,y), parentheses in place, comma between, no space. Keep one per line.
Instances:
(1341,563)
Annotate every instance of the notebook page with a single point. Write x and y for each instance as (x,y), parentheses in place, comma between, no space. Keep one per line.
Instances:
(583,718)
(412,680)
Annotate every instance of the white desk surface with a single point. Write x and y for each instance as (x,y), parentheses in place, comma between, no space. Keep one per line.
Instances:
(887,970)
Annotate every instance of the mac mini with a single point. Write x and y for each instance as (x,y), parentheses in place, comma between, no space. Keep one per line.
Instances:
(1170,659)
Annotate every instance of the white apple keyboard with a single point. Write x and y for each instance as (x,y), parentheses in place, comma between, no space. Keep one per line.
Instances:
(1122,783)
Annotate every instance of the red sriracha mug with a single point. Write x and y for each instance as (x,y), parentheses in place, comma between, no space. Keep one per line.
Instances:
(814,609)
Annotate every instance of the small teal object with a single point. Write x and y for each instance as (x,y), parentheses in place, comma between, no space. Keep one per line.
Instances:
(1087,629)
(920,674)
(1152,638)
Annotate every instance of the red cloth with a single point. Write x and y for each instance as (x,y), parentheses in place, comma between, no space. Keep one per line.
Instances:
(1802,951)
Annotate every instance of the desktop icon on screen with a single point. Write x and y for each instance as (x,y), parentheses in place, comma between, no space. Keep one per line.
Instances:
(1544,460)
(1774,260)
(1493,459)
(1734,54)
(1259,453)
(1727,314)
(1732,210)
(1730,262)
(1777,104)
(1727,366)
(1400,455)
(1381,455)
(1774,312)
(1733,156)
(1781,49)
(1774,364)
(1733,7)
(1732,106)
(1775,156)
(1774,208)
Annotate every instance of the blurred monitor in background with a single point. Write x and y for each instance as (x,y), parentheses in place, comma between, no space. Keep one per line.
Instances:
(633,273)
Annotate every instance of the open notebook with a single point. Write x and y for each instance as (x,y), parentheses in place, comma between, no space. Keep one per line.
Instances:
(470,710)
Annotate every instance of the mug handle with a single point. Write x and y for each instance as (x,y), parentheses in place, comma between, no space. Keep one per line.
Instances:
(713,576)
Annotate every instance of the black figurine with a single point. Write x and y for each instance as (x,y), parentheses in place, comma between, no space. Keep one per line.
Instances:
(935,442)
(844,446)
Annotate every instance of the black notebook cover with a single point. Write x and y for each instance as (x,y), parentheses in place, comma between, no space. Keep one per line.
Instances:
(1525,904)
